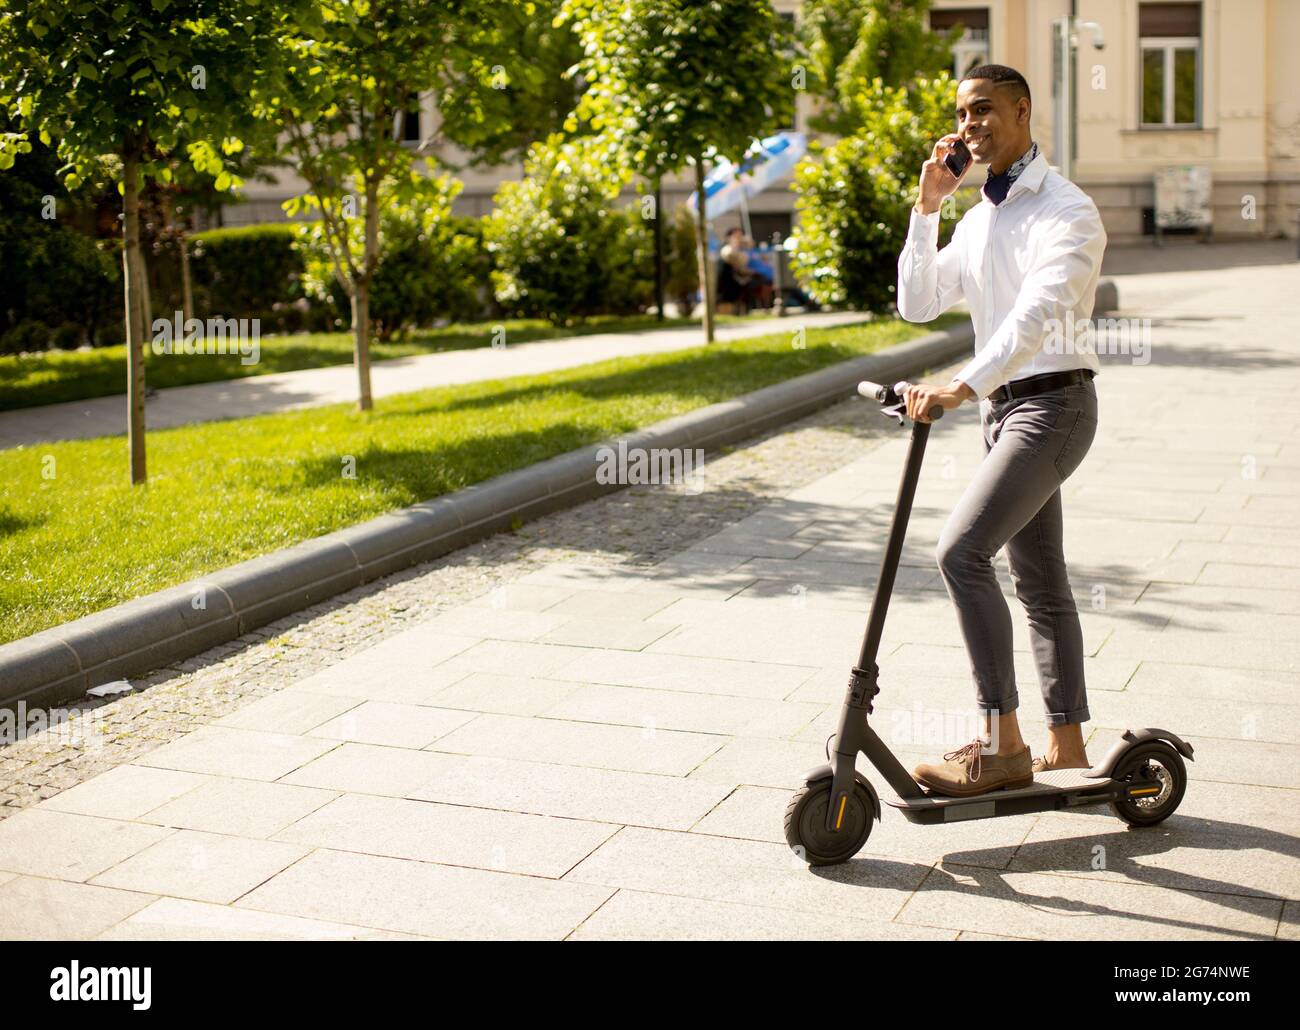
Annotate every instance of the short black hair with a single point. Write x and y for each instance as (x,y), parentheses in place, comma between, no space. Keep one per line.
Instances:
(733,230)
(1001,75)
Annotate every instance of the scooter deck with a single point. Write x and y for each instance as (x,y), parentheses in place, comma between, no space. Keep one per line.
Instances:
(1048,787)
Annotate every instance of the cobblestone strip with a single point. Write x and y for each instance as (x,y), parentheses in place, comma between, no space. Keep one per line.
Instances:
(638,526)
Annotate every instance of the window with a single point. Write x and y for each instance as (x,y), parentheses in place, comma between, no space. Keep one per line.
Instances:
(1170,45)
(972,47)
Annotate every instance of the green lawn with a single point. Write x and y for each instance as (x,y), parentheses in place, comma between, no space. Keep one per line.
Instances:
(54,376)
(223,492)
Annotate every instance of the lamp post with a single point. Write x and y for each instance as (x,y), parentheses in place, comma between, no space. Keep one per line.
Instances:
(1065,41)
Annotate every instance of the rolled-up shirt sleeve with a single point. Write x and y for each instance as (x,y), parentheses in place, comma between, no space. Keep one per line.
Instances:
(1067,264)
(929,279)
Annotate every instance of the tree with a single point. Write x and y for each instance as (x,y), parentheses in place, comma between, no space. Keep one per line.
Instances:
(126,79)
(428,264)
(559,246)
(348,89)
(854,197)
(678,82)
(495,106)
(851,42)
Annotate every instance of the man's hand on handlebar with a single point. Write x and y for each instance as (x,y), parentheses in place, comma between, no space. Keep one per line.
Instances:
(921,397)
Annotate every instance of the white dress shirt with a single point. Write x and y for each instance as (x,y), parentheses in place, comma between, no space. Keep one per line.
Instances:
(1019,265)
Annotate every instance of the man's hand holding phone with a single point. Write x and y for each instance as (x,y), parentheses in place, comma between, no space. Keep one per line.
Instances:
(937,174)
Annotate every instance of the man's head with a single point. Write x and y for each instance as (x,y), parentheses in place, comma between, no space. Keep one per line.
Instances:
(993,107)
(735,236)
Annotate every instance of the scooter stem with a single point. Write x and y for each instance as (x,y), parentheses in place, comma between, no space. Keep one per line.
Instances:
(894,548)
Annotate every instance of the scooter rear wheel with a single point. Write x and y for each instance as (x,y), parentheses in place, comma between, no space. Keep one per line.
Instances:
(1164,763)
(805,824)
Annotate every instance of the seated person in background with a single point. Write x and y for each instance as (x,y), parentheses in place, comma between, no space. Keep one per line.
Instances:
(734,275)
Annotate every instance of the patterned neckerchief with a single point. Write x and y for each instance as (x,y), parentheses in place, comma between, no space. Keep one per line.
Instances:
(997,186)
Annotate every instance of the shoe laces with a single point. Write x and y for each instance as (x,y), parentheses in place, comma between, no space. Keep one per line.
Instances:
(969,753)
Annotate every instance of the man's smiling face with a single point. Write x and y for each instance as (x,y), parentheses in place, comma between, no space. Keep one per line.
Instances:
(992,121)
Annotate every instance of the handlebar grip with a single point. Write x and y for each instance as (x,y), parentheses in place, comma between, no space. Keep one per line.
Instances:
(887,394)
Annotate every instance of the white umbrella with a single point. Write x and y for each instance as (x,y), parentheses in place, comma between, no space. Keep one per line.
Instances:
(766,161)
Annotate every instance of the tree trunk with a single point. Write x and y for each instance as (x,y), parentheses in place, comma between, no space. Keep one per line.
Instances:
(132,269)
(187,284)
(361,297)
(659,250)
(702,250)
(145,294)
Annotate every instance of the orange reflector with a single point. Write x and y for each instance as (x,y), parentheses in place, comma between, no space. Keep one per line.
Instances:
(840,817)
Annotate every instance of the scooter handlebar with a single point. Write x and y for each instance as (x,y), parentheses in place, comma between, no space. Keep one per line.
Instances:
(893,395)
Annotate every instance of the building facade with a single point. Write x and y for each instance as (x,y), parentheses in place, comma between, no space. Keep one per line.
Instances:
(1211,83)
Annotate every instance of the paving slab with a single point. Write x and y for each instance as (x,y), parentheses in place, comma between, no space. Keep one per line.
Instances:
(370,769)
(382,722)
(450,834)
(694,865)
(642,916)
(202,866)
(127,792)
(647,748)
(248,754)
(175,919)
(428,899)
(37,909)
(239,808)
(572,792)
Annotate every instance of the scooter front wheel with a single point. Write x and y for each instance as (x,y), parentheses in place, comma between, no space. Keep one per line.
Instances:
(805,824)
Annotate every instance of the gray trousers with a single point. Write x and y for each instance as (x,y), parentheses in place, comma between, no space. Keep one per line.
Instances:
(1031,446)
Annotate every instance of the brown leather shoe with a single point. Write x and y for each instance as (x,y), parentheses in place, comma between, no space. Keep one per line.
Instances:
(968,771)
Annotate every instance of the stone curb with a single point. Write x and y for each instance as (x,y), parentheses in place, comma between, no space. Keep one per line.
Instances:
(135,638)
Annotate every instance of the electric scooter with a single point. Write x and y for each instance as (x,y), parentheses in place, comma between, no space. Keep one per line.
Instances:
(829,818)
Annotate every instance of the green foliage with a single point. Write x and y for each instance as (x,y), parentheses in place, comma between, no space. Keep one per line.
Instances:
(246,272)
(852,42)
(512,88)
(671,80)
(429,272)
(104,77)
(681,268)
(854,197)
(57,286)
(430,264)
(560,249)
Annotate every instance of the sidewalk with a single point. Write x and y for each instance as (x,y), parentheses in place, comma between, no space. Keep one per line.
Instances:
(599,749)
(286,391)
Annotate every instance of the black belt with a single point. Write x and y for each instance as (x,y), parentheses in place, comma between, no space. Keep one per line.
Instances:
(1031,385)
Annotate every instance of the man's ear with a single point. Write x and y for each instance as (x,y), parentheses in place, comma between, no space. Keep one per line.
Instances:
(1023,110)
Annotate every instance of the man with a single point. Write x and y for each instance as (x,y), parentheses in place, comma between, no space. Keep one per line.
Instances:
(1026,260)
(733,272)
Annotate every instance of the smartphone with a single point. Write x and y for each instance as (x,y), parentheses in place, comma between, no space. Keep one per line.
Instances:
(958,158)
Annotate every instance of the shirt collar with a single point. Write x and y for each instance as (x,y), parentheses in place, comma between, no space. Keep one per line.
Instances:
(1029,169)
(1034,174)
